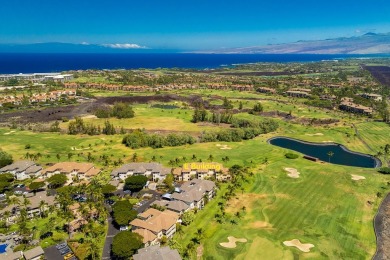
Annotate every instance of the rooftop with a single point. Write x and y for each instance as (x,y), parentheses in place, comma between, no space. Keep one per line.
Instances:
(155,220)
(141,168)
(33,253)
(157,253)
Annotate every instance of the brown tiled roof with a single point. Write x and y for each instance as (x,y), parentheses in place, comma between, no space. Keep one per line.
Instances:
(68,167)
(40,196)
(177,171)
(146,235)
(156,220)
(92,172)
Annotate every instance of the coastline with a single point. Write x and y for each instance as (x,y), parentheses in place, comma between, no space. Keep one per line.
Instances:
(12,63)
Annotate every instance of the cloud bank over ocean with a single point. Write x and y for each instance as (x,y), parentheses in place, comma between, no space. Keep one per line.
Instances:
(124,46)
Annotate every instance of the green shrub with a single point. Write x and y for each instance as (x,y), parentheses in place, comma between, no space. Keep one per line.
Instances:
(291,156)
(384,170)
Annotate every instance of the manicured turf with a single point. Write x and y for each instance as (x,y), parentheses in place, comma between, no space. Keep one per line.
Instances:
(375,134)
(323,207)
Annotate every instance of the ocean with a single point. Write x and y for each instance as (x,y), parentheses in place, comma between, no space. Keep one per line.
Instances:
(57,62)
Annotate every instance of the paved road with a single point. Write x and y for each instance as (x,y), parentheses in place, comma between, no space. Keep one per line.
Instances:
(146,204)
(112,231)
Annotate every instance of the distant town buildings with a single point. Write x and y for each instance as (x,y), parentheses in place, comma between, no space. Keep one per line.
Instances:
(38,77)
(348,105)
(266,90)
(38,97)
(371,96)
(299,92)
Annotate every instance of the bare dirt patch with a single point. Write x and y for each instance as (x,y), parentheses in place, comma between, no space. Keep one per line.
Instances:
(316,134)
(296,243)
(357,177)
(292,173)
(199,252)
(232,242)
(244,200)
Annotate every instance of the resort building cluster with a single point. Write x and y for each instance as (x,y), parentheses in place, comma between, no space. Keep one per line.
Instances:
(38,97)
(194,187)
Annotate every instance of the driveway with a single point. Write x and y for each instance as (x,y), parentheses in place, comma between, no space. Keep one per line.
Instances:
(112,231)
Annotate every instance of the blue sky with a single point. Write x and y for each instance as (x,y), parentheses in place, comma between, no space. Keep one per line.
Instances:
(191,24)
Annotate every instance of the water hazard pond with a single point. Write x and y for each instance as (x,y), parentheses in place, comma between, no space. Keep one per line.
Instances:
(328,152)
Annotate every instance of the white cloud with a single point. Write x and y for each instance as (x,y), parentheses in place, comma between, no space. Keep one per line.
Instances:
(123,46)
(85,43)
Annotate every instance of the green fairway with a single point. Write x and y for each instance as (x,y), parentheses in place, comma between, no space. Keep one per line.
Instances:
(324,207)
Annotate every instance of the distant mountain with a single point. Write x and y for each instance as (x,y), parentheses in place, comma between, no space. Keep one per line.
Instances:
(369,43)
(59,47)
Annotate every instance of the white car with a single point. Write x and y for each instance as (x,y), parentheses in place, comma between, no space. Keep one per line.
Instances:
(124,228)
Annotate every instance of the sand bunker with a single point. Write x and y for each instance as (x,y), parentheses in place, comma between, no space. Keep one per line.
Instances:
(316,134)
(232,242)
(9,133)
(223,146)
(357,177)
(79,149)
(90,117)
(292,172)
(295,242)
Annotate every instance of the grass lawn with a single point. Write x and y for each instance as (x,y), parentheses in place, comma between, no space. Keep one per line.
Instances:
(376,134)
(323,207)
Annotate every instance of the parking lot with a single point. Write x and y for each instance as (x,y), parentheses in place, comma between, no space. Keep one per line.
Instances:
(59,252)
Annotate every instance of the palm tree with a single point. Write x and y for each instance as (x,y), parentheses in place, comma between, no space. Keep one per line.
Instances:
(42,205)
(171,163)
(199,233)
(211,158)
(13,200)
(6,215)
(177,161)
(193,157)
(135,157)
(179,230)
(330,154)
(26,202)
(233,222)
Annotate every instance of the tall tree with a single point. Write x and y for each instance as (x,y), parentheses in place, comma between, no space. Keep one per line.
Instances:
(125,244)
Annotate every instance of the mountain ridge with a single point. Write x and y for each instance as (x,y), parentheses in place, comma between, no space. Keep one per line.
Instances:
(369,43)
